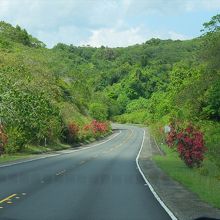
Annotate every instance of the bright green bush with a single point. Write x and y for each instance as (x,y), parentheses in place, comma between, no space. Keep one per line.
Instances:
(16,140)
(212,138)
(98,111)
(137,104)
(137,117)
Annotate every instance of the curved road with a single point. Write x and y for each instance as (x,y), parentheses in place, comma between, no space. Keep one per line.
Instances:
(101,182)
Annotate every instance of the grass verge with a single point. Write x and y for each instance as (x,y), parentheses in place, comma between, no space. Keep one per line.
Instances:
(31,150)
(9,158)
(204,181)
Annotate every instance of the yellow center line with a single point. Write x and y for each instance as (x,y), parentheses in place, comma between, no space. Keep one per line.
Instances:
(8,198)
(124,142)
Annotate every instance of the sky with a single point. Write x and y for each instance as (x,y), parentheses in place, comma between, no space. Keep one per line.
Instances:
(112,23)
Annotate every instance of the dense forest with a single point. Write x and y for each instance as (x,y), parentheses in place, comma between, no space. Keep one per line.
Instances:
(53,95)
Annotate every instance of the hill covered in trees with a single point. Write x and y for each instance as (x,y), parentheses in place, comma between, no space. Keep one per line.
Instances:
(46,93)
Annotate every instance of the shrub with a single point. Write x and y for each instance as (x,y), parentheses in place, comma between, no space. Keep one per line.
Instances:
(72,132)
(101,127)
(189,143)
(212,139)
(16,140)
(96,128)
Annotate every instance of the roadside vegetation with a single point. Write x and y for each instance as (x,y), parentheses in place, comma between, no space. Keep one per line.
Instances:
(44,103)
(53,98)
(188,101)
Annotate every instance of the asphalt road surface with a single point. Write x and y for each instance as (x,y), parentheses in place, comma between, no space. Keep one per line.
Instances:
(99,183)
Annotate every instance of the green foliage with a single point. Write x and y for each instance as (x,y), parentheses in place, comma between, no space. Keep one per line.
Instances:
(212,102)
(211,42)
(18,35)
(212,138)
(123,101)
(28,110)
(16,140)
(136,117)
(98,111)
(43,90)
(137,104)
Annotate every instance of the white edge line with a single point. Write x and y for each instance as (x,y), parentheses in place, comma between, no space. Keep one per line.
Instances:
(173,217)
(59,154)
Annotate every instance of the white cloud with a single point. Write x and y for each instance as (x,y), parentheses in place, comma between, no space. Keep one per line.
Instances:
(120,38)
(177,36)
(114,38)
(64,34)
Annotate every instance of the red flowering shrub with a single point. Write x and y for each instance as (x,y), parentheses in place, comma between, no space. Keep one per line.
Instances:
(3,139)
(97,128)
(101,127)
(72,132)
(190,145)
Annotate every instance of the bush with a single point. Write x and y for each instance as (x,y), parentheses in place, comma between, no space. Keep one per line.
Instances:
(212,138)
(98,111)
(72,132)
(136,117)
(189,143)
(96,128)
(16,140)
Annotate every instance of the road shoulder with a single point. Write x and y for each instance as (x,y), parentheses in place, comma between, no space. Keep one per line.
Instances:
(184,204)
(79,147)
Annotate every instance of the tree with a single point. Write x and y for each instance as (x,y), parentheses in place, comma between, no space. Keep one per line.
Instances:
(211,52)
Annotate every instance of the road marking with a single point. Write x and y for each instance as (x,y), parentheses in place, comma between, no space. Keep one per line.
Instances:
(125,141)
(173,217)
(82,162)
(61,172)
(7,199)
(59,154)
(117,146)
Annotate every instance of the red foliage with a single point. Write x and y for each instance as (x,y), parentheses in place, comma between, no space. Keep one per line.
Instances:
(73,131)
(3,139)
(190,145)
(97,127)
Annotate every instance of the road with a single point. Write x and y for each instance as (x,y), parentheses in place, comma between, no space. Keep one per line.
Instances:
(99,183)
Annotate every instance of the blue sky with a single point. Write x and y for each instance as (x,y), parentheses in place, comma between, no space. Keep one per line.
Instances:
(108,22)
